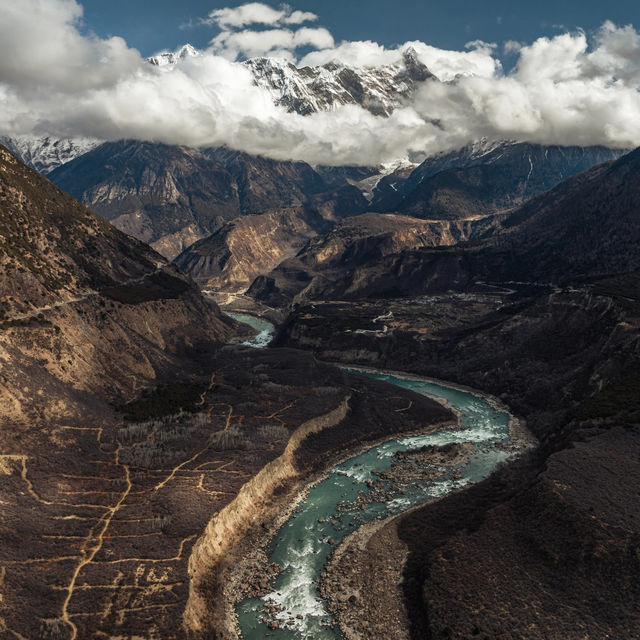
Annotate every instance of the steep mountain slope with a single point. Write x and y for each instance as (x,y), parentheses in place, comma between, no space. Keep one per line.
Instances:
(173,196)
(79,300)
(166,195)
(587,227)
(484,178)
(263,184)
(89,317)
(230,259)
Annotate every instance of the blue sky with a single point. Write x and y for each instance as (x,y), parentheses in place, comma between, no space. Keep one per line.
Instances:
(151,27)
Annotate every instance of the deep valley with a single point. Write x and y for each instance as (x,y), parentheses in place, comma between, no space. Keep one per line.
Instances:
(248,397)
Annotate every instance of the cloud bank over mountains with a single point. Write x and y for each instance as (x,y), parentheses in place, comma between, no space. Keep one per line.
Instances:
(55,79)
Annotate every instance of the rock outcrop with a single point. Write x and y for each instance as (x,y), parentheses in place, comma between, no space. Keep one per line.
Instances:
(229,260)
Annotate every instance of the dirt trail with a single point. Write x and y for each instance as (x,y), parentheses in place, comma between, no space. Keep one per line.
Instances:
(33,313)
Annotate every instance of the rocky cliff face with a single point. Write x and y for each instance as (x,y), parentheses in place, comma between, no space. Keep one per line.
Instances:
(265,184)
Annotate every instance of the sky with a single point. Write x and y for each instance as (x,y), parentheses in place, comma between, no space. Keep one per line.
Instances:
(553,73)
(450,24)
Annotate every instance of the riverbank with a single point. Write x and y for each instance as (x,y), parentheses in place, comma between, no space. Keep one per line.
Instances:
(372,418)
(249,565)
(363,581)
(240,303)
(255,331)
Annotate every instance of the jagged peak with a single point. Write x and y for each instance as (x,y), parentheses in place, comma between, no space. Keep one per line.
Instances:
(165,58)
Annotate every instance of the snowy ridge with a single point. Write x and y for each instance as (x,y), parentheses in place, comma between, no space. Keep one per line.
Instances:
(311,89)
(45,153)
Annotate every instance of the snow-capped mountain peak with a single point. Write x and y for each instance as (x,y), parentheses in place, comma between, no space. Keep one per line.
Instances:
(307,90)
(166,58)
(311,89)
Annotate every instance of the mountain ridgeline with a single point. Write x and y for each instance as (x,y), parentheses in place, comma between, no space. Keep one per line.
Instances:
(484,178)
(173,197)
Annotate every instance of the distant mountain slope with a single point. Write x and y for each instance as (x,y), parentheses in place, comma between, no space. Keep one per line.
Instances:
(484,178)
(357,244)
(83,307)
(173,196)
(154,192)
(263,184)
(588,227)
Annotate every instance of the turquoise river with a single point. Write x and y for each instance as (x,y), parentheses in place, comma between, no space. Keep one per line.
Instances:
(329,511)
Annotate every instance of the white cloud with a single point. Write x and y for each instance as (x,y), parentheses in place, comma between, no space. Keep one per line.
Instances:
(279,40)
(40,44)
(257,13)
(250,13)
(251,44)
(300,17)
(446,65)
(569,89)
(355,54)
(512,46)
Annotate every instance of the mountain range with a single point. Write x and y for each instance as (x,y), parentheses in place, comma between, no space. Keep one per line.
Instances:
(304,91)
(585,228)
(512,268)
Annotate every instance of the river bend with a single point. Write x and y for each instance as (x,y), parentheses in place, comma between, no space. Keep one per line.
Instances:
(347,497)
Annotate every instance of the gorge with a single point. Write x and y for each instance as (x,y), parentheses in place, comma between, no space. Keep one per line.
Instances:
(333,344)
